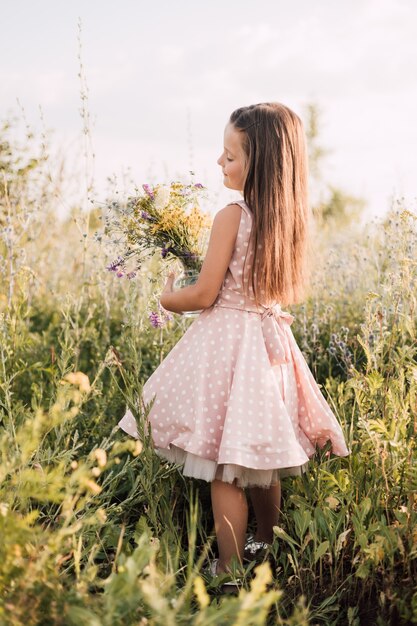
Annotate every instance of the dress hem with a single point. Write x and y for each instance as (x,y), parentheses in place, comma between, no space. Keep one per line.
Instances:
(195,466)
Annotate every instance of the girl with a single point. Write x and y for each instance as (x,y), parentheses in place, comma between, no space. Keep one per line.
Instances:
(236,403)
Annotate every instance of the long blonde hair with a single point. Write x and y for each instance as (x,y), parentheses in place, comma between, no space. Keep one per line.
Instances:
(276,191)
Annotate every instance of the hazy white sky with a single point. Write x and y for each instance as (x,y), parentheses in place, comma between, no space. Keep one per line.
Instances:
(163,78)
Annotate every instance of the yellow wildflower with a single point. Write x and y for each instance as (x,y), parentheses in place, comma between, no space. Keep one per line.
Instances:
(80,380)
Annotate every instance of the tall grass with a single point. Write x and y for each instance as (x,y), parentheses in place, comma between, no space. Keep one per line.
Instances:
(97,529)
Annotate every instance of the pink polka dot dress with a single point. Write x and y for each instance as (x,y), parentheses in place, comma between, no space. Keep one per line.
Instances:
(235,398)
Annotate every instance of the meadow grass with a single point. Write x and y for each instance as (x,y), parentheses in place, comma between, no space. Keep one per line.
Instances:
(97,529)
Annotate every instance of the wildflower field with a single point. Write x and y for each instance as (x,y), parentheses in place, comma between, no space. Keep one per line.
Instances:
(96,529)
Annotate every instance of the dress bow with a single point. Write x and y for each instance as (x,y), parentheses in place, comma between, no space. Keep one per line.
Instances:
(277,312)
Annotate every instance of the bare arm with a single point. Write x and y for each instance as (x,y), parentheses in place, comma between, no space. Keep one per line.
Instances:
(221,244)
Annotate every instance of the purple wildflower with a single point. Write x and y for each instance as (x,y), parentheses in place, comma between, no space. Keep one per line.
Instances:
(148,190)
(120,273)
(164,251)
(130,275)
(159,318)
(198,185)
(114,265)
(155,319)
(146,215)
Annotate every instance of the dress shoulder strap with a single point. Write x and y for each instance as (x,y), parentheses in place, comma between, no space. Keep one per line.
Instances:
(243,204)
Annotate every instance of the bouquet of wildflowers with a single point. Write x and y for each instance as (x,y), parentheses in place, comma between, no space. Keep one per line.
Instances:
(165,218)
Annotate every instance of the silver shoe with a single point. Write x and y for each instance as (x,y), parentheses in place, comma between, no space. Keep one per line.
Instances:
(230,582)
(255,549)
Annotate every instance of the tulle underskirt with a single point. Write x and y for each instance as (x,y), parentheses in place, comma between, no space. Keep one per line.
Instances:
(205,469)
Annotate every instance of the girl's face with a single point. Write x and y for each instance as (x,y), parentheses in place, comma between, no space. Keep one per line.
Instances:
(233,159)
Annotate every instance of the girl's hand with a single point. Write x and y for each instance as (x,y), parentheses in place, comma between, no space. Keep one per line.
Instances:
(168,289)
(169,284)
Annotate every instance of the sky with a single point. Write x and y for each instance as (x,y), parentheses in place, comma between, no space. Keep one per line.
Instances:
(163,78)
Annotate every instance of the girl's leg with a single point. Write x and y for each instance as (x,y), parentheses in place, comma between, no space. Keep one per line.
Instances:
(230,511)
(266,504)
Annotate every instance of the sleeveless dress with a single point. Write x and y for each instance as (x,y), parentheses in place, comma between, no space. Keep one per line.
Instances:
(235,398)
